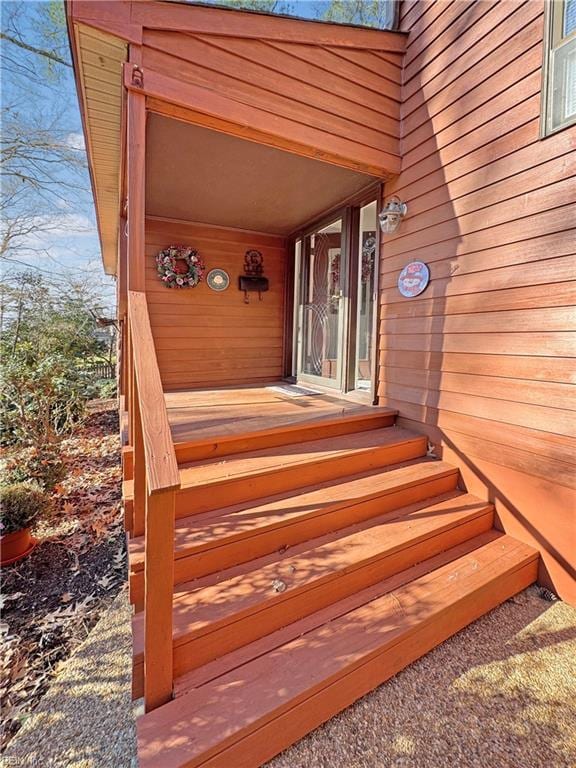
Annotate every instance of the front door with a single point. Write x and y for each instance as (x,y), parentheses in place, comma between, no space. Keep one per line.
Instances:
(335,309)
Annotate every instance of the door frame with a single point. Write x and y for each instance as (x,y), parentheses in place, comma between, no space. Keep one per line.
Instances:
(349,212)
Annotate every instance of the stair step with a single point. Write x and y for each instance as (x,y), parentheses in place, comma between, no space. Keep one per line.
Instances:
(221,539)
(218,618)
(282,434)
(209,485)
(247,714)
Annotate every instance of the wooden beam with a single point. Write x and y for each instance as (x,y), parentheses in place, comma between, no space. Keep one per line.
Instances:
(202,106)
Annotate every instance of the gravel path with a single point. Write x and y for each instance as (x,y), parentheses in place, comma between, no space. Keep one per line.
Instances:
(85,720)
(500,694)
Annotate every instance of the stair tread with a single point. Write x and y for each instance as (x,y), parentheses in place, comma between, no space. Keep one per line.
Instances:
(258,427)
(212,529)
(219,714)
(237,466)
(199,611)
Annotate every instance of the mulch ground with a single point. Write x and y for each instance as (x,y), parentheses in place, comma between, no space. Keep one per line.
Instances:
(52,599)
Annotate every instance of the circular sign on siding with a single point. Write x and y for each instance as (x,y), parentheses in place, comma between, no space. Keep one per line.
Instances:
(218,279)
(413,279)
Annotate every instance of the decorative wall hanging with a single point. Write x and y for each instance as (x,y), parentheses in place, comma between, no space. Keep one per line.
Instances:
(218,279)
(180,266)
(253,278)
(368,254)
(413,279)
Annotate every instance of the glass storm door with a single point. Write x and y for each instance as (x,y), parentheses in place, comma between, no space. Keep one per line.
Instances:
(321,316)
(336,299)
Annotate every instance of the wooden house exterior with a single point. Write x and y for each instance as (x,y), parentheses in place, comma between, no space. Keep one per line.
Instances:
(326,479)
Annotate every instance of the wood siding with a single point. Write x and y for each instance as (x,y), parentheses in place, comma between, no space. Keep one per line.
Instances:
(482,360)
(205,338)
(333,103)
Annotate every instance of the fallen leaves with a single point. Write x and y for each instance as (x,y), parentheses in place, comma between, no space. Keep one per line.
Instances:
(51,600)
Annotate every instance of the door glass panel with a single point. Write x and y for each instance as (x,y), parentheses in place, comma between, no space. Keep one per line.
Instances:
(366,297)
(321,304)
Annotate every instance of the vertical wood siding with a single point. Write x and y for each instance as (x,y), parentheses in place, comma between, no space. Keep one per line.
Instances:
(205,338)
(483,360)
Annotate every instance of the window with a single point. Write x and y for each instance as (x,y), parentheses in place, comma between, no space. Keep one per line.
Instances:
(559,81)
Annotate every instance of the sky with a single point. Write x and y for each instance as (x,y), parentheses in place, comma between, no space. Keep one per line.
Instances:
(41,96)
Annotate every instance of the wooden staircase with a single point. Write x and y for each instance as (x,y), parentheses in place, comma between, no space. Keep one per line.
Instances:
(310,565)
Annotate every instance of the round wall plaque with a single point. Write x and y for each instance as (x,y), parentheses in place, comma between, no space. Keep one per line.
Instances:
(413,279)
(218,279)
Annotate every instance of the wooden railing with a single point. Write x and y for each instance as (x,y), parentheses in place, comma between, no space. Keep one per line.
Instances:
(156,480)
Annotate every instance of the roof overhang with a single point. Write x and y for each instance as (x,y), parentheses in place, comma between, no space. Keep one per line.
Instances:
(98,59)
(100,35)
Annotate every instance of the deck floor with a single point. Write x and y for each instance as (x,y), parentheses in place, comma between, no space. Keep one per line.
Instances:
(206,413)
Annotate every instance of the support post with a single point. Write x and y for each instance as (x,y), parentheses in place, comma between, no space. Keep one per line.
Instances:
(158,591)
(136,168)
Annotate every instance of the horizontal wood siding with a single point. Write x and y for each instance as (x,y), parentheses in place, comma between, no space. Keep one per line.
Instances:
(206,338)
(337,103)
(483,360)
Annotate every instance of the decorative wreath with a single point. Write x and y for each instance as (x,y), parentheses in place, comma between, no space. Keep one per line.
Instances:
(179,266)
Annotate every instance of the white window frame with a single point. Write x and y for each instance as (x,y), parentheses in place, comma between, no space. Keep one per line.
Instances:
(554,41)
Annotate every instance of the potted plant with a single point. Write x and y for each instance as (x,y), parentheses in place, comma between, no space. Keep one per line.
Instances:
(21,504)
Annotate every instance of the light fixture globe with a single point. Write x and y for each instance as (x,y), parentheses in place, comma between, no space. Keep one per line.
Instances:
(391,215)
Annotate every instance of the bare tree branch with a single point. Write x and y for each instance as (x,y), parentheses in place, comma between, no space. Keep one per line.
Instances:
(33,49)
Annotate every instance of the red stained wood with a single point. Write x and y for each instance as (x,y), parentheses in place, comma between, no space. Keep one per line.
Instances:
(158,585)
(237,24)
(161,467)
(206,338)
(494,28)
(212,484)
(239,441)
(225,66)
(218,540)
(338,670)
(136,165)
(341,151)
(217,619)
(482,360)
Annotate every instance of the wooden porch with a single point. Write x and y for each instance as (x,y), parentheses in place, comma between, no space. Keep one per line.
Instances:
(289,553)
(226,412)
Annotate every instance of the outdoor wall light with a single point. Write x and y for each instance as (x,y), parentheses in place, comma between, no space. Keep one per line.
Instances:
(391,215)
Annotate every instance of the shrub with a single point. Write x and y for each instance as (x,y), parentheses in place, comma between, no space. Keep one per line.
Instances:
(21,505)
(107,389)
(43,466)
(40,400)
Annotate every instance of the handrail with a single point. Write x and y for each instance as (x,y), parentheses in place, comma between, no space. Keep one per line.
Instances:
(160,457)
(156,480)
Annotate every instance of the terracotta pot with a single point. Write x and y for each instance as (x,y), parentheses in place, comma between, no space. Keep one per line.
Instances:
(15,546)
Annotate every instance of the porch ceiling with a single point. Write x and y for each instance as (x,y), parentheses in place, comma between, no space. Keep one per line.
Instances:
(198,174)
